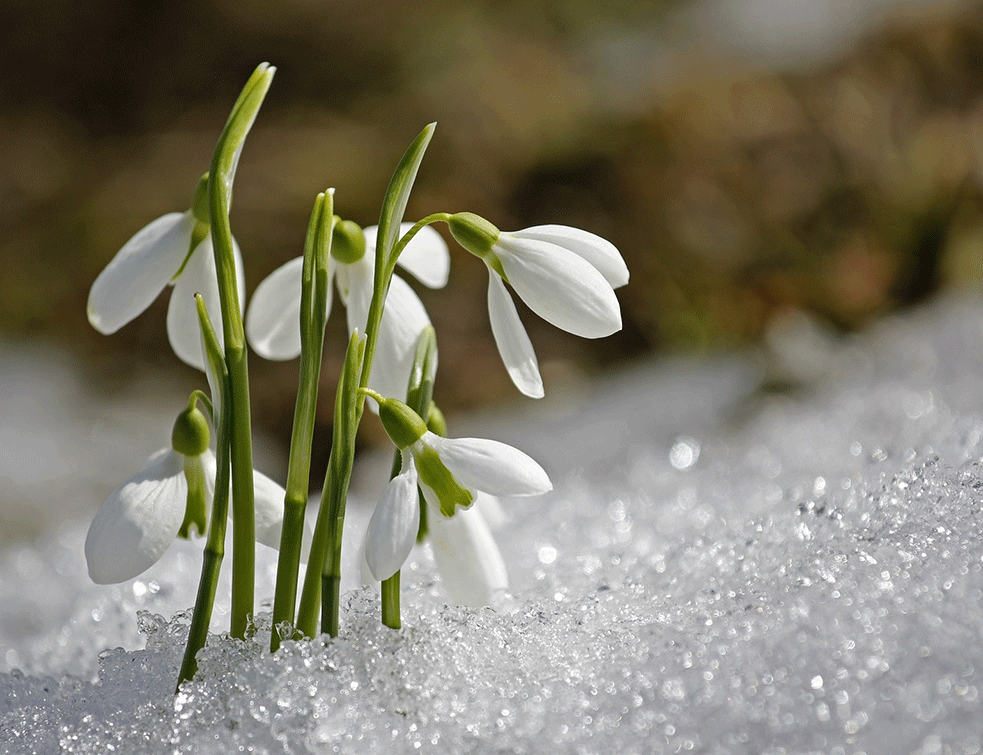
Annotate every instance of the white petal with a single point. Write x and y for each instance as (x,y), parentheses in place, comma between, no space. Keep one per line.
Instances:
(470,564)
(562,288)
(273,318)
(355,286)
(210,465)
(394,525)
(491,510)
(365,577)
(403,320)
(496,468)
(513,342)
(199,276)
(599,252)
(138,521)
(139,271)
(426,256)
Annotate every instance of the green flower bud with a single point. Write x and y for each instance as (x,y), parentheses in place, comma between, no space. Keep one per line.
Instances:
(190,434)
(474,233)
(347,241)
(403,425)
(199,204)
(435,420)
(438,478)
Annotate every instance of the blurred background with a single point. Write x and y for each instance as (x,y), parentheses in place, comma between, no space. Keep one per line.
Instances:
(757,162)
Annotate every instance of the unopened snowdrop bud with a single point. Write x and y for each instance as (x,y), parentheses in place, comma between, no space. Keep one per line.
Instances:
(347,241)
(190,435)
(436,422)
(402,424)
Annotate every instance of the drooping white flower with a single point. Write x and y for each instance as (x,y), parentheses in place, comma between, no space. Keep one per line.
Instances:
(450,472)
(176,250)
(565,275)
(468,560)
(273,318)
(169,497)
(138,522)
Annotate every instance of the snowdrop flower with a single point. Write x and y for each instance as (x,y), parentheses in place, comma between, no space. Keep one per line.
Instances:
(176,250)
(168,498)
(450,472)
(273,319)
(565,275)
(468,560)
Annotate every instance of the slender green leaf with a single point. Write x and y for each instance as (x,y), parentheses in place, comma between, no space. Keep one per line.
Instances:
(399,190)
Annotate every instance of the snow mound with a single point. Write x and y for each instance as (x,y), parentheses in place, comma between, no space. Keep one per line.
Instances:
(793,572)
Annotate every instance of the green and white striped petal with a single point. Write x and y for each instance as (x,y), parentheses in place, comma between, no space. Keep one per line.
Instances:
(488,465)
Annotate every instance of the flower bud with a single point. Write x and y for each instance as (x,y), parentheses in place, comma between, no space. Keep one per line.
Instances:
(347,241)
(403,425)
(435,420)
(190,435)
(474,233)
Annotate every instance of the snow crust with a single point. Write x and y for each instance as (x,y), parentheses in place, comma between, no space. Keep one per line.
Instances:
(763,572)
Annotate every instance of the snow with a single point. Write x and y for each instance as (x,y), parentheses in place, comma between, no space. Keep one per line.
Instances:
(720,569)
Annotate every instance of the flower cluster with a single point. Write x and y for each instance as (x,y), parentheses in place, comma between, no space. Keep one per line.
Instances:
(443,490)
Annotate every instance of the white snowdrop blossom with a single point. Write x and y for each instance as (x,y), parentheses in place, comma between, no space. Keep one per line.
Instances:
(168,498)
(141,518)
(450,472)
(176,250)
(273,319)
(565,275)
(468,560)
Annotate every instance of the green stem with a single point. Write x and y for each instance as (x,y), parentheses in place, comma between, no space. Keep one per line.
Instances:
(330,585)
(202,616)
(313,316)
(220,179)
(214,551)
(419,398)
(198,396)
(331,516)
(324,544)
(407,237)
(390,602)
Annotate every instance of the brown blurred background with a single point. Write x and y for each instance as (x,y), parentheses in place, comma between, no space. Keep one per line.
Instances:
(749,157)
